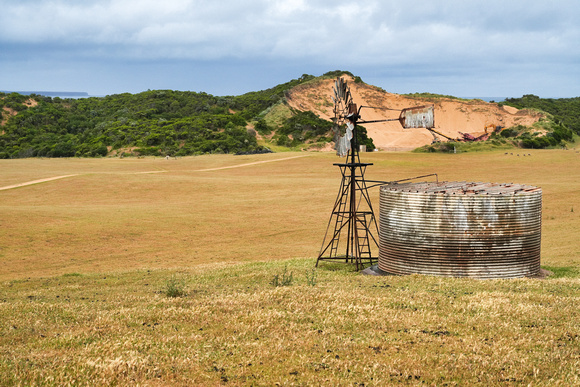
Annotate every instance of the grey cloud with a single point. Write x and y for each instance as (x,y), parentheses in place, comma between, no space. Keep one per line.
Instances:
(371,29)
(474,38)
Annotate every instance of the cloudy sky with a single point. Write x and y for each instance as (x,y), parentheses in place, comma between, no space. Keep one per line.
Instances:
(489,48)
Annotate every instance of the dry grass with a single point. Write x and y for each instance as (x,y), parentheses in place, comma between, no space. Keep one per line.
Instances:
(85,262)
(234,327)
(112,217)
(115,217)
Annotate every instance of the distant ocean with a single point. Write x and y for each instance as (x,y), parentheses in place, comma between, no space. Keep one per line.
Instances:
(60,94)
(487,99)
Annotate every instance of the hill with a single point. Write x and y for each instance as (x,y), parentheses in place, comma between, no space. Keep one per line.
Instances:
(452,115)
(295,115)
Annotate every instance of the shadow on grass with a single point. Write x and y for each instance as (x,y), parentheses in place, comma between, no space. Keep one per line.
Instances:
(336,266)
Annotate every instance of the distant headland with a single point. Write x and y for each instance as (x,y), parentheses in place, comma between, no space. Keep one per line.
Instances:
(65,94)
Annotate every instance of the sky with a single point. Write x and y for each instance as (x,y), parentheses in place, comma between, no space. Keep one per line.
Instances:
(464,48)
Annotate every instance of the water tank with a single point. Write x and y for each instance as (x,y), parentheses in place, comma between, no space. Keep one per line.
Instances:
(460,229)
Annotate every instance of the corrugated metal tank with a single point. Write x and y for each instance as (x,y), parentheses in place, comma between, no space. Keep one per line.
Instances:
(460,229)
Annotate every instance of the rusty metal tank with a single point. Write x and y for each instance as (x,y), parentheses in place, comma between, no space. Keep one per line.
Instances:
(460,229)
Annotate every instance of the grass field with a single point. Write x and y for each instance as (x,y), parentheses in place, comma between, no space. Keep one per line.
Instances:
(87,261)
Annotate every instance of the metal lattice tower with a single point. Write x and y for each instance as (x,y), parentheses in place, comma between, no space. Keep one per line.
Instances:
(352,227)
(353,222)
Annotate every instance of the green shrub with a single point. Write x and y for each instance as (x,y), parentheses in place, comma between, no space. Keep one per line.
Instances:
(509,132)
(262,127)
(283,140)
(174,287)
(148,151)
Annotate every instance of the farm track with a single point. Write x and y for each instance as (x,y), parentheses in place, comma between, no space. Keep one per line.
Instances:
(145,172)
(60,177)
(36,182)
(248,164)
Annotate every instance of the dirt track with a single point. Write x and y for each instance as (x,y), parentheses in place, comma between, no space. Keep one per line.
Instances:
(145,172)
(35,182)
(247,164)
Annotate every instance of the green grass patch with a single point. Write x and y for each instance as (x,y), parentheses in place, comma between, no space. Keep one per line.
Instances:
(276,115)
(72,275)
(564,272)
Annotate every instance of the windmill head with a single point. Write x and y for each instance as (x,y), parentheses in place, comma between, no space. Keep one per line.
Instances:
(418,117)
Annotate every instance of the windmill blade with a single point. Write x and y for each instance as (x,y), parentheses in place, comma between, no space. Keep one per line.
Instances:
(418,117)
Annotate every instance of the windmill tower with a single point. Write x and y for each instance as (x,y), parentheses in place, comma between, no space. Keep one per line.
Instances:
(352,232)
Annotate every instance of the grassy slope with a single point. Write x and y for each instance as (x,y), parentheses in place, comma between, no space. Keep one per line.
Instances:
(128,234)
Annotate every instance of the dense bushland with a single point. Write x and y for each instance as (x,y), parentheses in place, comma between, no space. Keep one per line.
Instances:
(155,122)
(150,123)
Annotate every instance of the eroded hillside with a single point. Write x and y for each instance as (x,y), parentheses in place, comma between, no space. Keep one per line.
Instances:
(452,116)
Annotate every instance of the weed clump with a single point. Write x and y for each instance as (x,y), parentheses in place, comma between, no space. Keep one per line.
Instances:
(284,279)
(311,277)
(174,288)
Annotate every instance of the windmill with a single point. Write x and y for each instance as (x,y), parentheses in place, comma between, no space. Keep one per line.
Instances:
(354,227)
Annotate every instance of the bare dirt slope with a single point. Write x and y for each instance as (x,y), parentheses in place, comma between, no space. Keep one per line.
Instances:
(451,115)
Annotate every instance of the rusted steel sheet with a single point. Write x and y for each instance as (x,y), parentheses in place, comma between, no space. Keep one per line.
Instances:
(459,229)
(417,117)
